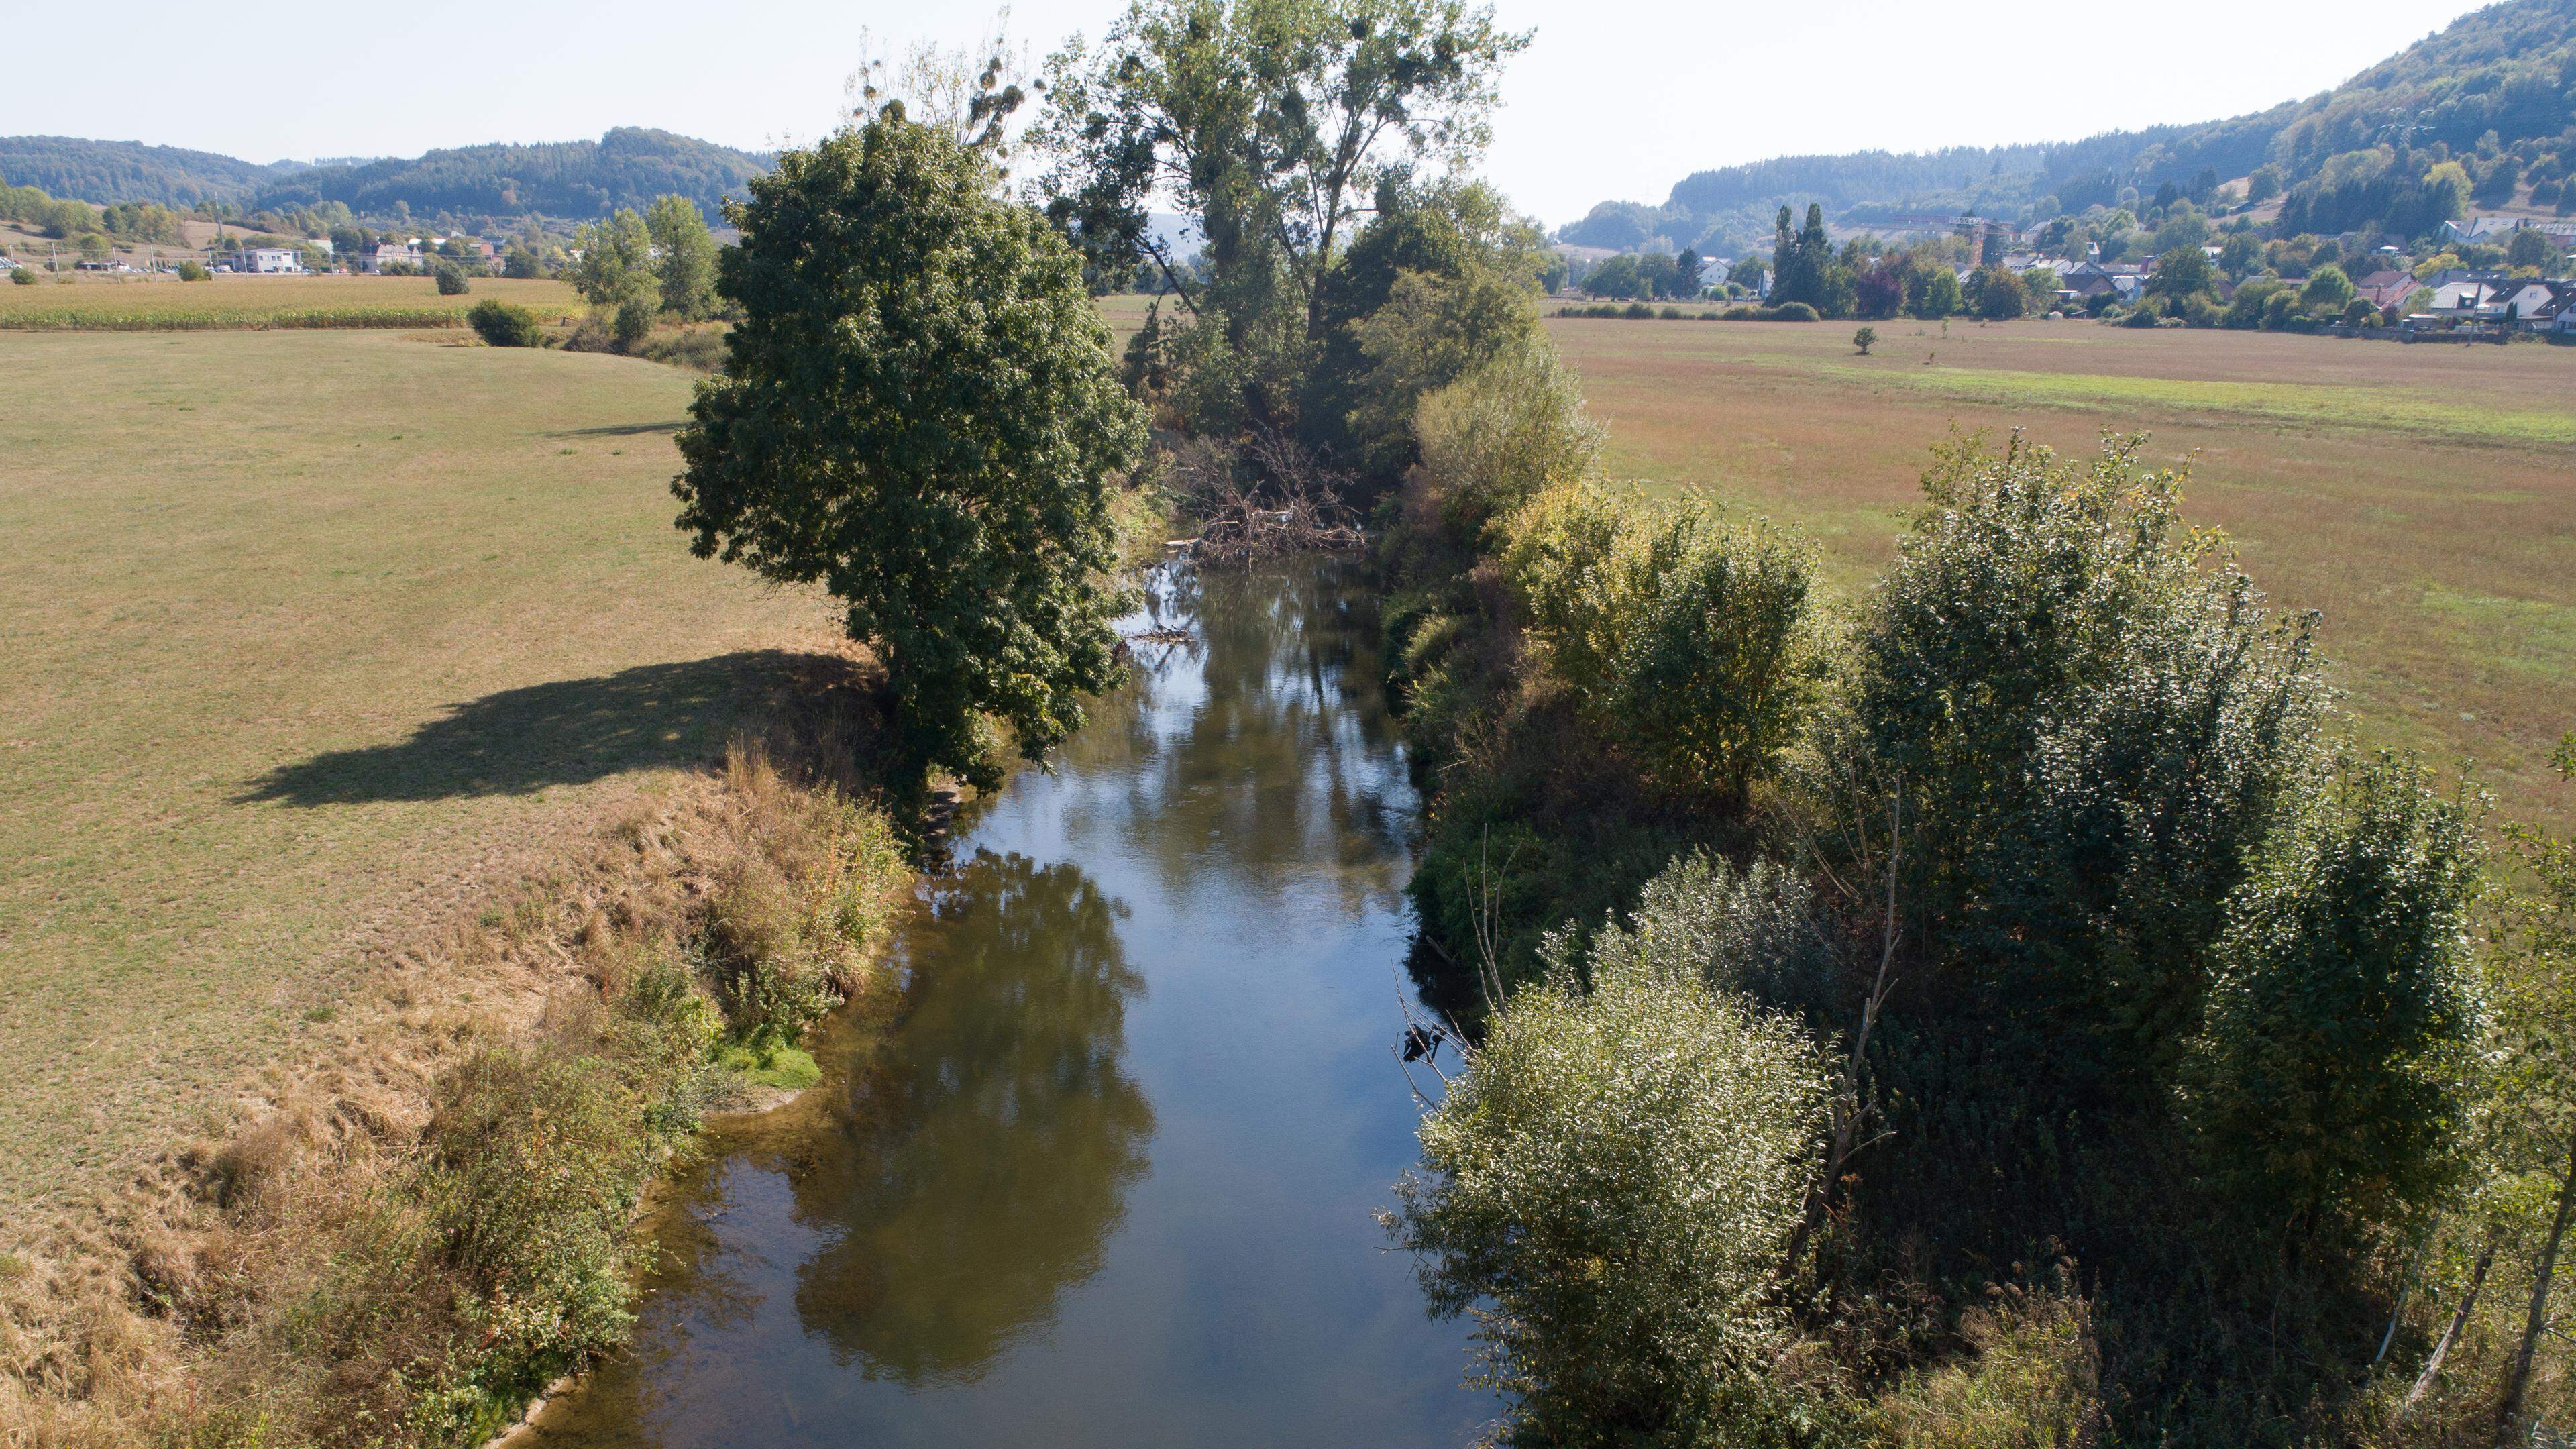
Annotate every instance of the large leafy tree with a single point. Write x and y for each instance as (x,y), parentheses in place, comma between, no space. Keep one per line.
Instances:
(1273,123)
(615,261)
(919,413)
(686,265)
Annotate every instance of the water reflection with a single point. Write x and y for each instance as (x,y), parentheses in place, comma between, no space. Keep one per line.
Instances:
(1263,745)
(1105,1175)
(980,1171)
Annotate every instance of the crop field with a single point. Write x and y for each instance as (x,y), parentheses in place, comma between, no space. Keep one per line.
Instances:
(310,637)
(111,304)
(2422,498)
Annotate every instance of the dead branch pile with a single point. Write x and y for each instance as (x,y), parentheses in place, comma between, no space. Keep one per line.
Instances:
(1264,495)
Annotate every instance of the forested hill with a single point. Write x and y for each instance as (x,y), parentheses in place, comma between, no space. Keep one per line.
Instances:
(2510,69)
(629,166)
(572,179)
(109,172)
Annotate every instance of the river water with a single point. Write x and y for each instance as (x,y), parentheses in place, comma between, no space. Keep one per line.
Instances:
(1104,1173)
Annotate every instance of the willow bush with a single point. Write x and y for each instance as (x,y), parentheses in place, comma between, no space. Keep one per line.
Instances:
(1609,1191)
(1498,436)
(1685,636)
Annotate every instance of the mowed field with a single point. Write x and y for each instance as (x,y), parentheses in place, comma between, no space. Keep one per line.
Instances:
(2422,498)
(309,638)
(161,303)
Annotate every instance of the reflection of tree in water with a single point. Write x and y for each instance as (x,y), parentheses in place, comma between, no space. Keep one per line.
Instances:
(1288,755)
(989,1152)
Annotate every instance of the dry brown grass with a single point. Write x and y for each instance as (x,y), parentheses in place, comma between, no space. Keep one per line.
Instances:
(2438,536)
(282,1278)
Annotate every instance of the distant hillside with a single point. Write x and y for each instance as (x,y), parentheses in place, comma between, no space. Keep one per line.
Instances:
(627,167)
(2510,68)
(572,179)
(108,172)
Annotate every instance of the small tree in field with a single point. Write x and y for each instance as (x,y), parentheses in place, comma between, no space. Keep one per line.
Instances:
(501,325)
(631,323)
(615,264)
(687,264)
(1865,339)
(920,413)
(451,282)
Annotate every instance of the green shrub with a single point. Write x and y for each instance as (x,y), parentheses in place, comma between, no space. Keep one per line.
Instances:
(1431,331)
(631,324)
(1790,312)
(451,281)
(1757,932)
(699,348)
(2246,309)
(2327,1083)
(503,324)
(1609,1190)
(20,276)
(536,1158)
(1714,674)
(2099,725)
(1556,556)
(193,271)
(1497,437)
(1680,635)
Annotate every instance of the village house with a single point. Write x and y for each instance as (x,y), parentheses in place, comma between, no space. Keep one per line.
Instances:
(2529,305)
(390,253)
(269,259)
(2092,279)
(2386,288)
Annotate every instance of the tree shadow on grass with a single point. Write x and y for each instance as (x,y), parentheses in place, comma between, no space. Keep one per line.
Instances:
(621,430)
(568,732)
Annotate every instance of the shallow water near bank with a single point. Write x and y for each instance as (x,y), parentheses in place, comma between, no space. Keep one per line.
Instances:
(1104,1173)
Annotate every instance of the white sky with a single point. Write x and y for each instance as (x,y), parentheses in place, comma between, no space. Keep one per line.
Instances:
(1615,98)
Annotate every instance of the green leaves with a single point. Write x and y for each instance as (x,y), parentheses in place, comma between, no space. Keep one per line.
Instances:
(920,414)
(2328,1081)
(1610,1188)
(1686,638)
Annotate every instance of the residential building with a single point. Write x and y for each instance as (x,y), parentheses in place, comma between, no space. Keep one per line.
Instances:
(2386,288)
(2530,305)
(269,259)
(390,253)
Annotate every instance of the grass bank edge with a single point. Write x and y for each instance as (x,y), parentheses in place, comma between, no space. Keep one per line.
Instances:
(410,1243)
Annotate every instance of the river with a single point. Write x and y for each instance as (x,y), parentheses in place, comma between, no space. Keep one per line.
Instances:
(1104,1172)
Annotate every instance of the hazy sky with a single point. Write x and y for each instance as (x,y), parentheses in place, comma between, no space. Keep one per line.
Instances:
(1614,99)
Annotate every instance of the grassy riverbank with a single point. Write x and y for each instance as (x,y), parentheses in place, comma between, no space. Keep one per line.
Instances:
(405,841)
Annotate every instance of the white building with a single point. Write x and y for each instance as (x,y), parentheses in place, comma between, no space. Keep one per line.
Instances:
(391,253)
(270,259)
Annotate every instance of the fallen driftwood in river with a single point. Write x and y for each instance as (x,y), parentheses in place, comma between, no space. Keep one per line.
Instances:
(1264,496)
